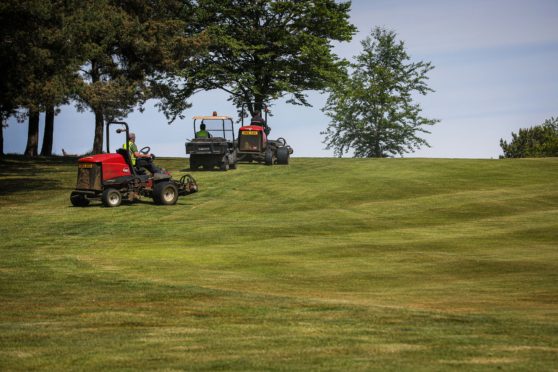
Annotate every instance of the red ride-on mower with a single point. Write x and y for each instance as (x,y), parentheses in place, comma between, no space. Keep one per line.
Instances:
(112,178)
(253,145)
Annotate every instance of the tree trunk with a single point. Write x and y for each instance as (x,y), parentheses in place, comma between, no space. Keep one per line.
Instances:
(258,105)
(99,126)
(32,148)
(48,136)
(99,119)
(1,138)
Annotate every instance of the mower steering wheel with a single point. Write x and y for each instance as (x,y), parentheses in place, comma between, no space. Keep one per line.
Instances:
(145,150)
(282,141)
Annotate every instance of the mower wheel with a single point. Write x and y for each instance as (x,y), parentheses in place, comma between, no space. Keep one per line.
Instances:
(165,193)
(283,155)
(268,157)
(111,198)
(78,200)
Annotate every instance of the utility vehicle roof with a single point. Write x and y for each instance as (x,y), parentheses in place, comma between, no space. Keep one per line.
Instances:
(212,118)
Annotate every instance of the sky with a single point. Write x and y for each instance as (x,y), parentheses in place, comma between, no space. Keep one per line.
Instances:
(495,72)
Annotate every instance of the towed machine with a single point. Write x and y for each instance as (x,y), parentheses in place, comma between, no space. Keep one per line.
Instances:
(112,178)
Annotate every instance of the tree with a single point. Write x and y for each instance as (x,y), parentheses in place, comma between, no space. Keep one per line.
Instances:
(35,65)
(372,110)
(128,50)
(106,85)
(48,137)
(535,142)
(262,50)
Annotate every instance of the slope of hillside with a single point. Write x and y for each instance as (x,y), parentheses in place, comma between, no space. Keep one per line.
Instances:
(322,264)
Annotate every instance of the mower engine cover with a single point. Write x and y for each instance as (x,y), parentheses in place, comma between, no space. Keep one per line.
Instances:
(112,165)
(251,138)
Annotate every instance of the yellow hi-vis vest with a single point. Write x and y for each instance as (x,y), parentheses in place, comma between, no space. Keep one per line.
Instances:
(132,150)
(202,134)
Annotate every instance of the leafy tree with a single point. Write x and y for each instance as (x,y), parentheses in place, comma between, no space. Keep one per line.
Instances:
(261,50)
(34,62)
(129,48)
(535,142)
(372,109)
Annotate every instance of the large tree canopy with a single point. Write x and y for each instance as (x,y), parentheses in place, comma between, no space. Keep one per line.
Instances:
(107,55)
(262,50)
(127,48)
(35,62)
(372,110)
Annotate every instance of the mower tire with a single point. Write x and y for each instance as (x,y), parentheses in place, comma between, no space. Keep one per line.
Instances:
(165,193)
(268,157)
(283,155)
(78,200)
(111,198)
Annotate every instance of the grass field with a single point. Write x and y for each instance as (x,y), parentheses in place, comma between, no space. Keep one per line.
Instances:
(325,264)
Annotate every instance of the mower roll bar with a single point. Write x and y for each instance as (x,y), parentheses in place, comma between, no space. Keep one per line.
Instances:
(266,110)
(119,130)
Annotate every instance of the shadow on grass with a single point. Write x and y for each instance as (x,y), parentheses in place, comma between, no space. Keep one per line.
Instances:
(128,204)
(14,185)
(216,169)
(201,170)
(21,174)
(12,165)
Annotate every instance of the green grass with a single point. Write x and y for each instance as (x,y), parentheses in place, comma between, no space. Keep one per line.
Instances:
(325,264)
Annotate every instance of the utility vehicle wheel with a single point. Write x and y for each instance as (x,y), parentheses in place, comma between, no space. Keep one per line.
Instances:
(111,198)
(79,200)
(165,193)
(194,165)
(283,155)
(268,157)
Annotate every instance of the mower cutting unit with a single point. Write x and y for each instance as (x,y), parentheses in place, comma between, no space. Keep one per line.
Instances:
(217,150)
(112,178)
(253,145)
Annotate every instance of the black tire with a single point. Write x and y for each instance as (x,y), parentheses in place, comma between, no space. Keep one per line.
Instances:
(283,155)
(111,198)
(193,164)
(165,193)
(268,157)
(79,200)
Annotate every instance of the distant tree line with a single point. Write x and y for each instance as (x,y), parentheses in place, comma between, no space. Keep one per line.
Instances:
(111,56)
(535,142)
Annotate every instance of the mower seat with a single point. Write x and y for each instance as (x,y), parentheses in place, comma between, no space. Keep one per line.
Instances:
(126,156)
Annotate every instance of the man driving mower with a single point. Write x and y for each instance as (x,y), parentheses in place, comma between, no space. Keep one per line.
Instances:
(139,159)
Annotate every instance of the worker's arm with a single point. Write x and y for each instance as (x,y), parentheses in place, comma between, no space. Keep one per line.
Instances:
(138,155)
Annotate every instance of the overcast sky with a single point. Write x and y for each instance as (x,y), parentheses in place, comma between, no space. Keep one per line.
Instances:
(495,72)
